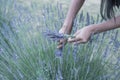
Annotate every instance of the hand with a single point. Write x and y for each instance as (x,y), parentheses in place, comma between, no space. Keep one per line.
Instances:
(64,30)
(81,36)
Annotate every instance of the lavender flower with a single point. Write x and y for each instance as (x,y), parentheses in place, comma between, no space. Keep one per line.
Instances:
(55,36)
(105,54)
(75,49)
(81,17)
(87,19)
(58,52)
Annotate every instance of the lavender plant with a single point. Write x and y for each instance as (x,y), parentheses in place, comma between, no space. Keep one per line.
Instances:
(55,36)
(25,53)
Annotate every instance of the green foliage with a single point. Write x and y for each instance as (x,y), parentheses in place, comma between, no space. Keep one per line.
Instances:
(25,54)
(6,9)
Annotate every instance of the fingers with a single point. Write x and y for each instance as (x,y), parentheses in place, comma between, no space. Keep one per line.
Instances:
(79,42)
(61,43)
(76,41)
(73,40)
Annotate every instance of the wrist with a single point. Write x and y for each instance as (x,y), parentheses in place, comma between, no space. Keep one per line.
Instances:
(93,29)
(66,29)
(67,26)
(68,22)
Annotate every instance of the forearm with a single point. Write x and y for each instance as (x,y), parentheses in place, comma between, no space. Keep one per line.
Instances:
(105,26)
(73,10)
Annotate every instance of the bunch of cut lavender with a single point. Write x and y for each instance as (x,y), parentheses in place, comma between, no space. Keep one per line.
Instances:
(55,36)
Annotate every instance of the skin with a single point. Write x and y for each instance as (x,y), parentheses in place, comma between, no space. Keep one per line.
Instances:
(83,35)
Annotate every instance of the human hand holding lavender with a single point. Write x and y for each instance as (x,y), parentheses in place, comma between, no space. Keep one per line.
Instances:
(64,30)
(68,23)
(82,35)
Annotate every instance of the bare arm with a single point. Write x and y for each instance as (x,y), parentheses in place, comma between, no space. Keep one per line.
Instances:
(72,12)
(83,35)
(67,25)
(108,25)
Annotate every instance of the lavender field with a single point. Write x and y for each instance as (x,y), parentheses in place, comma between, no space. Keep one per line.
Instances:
(26,53)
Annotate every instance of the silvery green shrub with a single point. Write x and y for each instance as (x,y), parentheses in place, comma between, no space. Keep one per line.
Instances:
(26,54)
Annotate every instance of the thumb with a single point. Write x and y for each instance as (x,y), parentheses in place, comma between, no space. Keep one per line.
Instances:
(73,39)
(80,41)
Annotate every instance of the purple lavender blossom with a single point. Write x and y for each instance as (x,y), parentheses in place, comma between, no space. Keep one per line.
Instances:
(87,19)
(55,36)
(58,52)
(75,49)
(81,17)
(106,52)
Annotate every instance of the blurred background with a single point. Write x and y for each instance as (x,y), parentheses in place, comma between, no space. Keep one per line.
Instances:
(26,53)
(91,6)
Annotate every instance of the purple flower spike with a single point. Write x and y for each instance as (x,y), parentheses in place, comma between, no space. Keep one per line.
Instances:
(75,52)
(58,52)
(55,36)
